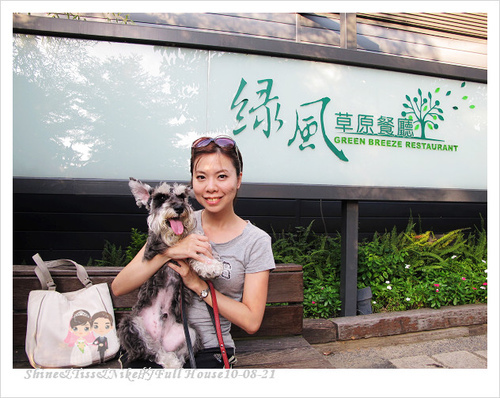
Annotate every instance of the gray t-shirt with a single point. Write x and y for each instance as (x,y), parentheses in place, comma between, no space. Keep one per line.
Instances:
(249,252)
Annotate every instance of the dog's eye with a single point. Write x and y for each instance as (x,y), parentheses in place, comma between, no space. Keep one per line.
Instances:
(160,198)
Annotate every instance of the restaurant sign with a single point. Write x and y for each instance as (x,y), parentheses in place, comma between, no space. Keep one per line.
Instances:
(88,109)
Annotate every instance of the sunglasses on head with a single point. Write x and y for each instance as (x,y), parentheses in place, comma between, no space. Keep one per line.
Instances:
(223,142)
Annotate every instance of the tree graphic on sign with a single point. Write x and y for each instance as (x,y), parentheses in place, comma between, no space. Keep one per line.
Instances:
(423,111)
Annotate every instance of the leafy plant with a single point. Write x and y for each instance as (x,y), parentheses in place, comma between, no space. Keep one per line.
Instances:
(322,300)
(401,268)
(112,256)
(319,256)
(137,241)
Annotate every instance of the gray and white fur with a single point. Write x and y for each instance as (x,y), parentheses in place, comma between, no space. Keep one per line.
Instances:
(154,331)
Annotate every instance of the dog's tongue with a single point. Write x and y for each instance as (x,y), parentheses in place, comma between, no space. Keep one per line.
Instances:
(176,226)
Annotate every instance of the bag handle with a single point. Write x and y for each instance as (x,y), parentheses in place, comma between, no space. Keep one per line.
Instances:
(43,274)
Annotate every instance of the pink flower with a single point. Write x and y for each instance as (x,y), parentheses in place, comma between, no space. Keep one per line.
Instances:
(436,284)
(485,284)
(314,302)
(474,288)
(437,290)
(464,279)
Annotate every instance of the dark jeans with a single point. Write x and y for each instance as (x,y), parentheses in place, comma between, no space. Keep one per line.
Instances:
(209,358)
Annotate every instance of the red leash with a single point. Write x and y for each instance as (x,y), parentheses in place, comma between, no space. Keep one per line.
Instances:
(217,325)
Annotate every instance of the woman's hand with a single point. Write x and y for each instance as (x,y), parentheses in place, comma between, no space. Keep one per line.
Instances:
(192,246)
(196,247)
(140,270)
(190,278)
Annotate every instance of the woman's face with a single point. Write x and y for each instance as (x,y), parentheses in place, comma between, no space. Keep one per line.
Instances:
(215,182)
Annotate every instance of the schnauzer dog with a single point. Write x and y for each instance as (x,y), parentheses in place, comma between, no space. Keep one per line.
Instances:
(154,330)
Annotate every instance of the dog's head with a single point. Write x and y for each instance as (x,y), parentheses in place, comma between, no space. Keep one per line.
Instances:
(170,214)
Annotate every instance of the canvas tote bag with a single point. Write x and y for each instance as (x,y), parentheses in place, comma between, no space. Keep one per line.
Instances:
(74,329)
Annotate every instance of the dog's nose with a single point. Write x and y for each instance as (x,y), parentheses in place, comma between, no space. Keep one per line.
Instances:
(179,209)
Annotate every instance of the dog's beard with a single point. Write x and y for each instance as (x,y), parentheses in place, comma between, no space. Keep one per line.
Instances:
(165,222)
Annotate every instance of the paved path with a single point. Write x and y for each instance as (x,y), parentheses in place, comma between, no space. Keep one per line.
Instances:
(453,348)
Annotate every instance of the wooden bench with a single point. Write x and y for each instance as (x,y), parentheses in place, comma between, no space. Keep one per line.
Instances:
(278,343)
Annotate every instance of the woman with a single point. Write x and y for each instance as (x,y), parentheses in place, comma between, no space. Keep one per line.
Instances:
(245,250)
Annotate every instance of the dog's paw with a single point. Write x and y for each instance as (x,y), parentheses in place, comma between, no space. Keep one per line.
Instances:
(212,269)
(169,360)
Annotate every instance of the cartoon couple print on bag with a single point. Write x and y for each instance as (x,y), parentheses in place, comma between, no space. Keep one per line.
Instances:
(86,331)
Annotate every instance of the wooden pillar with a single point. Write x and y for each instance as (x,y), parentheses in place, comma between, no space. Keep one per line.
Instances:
(349,258)
(348,31)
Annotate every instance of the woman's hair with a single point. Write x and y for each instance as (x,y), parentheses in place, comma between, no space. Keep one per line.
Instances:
(233,153)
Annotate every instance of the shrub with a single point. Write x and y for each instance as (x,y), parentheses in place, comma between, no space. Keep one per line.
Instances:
(424,270)
(319,256)
(405,270)
(112,256)
(137,241)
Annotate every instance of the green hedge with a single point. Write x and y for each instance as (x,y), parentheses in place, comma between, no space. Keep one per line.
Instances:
(405,270)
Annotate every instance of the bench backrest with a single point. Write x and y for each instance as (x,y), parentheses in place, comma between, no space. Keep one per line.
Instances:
(283,315)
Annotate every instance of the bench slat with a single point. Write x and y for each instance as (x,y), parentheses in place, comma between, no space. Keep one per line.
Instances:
(23,286)
(284,286)
(28,270)
(278,321)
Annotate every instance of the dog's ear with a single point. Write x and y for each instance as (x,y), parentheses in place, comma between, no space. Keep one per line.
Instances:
(141,192)
(189,191)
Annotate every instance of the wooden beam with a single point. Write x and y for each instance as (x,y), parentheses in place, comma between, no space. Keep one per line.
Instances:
(349,258)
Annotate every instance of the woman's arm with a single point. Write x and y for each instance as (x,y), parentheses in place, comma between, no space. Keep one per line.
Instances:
(140,270)
(248,313)
(135,273)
